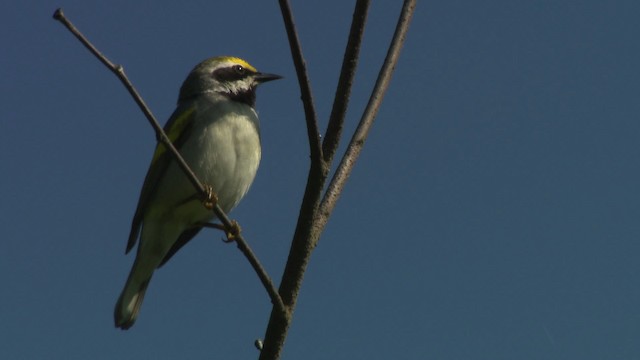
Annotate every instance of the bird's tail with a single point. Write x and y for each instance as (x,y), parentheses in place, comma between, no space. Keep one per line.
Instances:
(130,300)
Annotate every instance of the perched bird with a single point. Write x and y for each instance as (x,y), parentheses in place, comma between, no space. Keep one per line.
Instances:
(215,127)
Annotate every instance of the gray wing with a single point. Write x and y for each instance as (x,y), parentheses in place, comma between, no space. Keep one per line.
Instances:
(177,129)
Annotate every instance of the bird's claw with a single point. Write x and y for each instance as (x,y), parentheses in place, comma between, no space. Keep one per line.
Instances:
(232,232)
(211,199)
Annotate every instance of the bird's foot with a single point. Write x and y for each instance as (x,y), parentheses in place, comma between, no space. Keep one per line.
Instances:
(211,199)
(233,232)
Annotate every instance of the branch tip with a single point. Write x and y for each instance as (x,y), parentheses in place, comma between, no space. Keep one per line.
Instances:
(58,14)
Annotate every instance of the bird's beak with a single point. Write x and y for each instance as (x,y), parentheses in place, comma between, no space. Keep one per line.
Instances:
(261,77)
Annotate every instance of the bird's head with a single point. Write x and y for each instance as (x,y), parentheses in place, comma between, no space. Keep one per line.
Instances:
(227,76)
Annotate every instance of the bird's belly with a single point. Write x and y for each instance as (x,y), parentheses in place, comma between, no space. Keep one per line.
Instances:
(229,160)
(224,155)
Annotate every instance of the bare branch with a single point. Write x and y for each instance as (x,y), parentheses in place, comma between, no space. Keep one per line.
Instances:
(303,80)
(300,251)
(313,216)
(118,70)
(164,139)
(343,91)
(357,141)
(255,263)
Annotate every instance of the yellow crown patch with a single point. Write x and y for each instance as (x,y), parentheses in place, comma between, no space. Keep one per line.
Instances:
(235,60)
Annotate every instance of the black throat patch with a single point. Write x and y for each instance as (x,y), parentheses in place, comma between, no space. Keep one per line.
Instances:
(246,97)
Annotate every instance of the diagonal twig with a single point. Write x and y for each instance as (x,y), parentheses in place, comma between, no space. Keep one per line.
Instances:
(162,137)
(118,70)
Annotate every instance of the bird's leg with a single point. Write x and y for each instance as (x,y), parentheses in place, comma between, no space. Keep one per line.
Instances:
(211,199)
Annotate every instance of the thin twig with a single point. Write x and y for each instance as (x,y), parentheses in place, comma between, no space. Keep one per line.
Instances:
(318,170)
(313,131)
(357,141)
(118,70)
(162,137)
(304,234)
(343,91)
(255,263)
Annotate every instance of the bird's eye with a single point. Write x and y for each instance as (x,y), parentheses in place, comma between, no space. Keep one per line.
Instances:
(239,69)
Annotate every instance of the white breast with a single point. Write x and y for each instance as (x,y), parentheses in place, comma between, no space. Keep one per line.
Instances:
(224,152)
(228,151)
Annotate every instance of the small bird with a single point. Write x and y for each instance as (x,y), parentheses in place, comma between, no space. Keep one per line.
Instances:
(215,127)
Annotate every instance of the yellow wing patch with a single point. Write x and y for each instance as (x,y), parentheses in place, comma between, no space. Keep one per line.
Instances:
(174,130)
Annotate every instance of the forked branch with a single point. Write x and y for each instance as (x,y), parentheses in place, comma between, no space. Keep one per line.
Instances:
(317,205)
(313,215)
(360,135)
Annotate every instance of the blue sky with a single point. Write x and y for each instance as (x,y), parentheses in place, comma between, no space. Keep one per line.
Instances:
(494,212)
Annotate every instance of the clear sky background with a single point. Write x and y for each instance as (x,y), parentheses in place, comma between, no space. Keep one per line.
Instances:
(494,213)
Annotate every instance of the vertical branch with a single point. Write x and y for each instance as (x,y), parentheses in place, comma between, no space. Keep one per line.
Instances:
(347,73)
(313,216)
(301,245)
(303,80)
(300,251)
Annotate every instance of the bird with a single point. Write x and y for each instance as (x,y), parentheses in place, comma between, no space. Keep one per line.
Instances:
(215,128)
